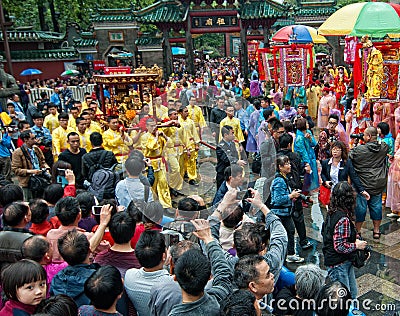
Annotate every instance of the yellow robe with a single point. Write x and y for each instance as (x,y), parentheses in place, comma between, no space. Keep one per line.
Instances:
(188,163)
(71,122)
(161,112)
(85,140)
(51,122)
(60,144)
(94,127)
(196,115)
(235,124)
(153,148)
(113,141)
(173,151)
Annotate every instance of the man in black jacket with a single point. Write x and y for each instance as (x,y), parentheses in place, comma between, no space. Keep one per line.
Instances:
(97,155)
(370,162)
(227,153)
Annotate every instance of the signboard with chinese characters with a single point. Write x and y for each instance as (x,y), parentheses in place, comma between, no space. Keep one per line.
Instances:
(214,21)
(117,70)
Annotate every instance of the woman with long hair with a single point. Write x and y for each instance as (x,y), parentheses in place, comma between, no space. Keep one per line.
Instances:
(339,234)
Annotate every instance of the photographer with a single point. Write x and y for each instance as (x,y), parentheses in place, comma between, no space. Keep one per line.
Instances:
(282,198)
(371,165)
(26,161)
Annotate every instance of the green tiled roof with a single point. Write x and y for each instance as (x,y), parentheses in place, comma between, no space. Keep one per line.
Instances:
(32,36)
(283,22)
(82,42)
(262,9)
(113,15)
(314,11)
(148,41)
(163,11)
(44,54)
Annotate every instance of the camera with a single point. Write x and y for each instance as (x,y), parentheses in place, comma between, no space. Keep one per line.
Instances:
(45,174)
(332,139)
(305,198)
(61,172)
(359,136)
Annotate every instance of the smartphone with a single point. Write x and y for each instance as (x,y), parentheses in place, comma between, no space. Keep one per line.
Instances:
(240,195)
(61,172)
(96,210)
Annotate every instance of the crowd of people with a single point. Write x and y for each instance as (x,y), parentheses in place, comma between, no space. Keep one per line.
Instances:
(88,225)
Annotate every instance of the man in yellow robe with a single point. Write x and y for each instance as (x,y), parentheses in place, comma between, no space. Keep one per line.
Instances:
(173,152)
(59,135)
(196,114)
(84,136)
(115,139)
(189,157)
(161,111)
(235,123)
(51,120)
(153,144)
(91,126)
(74,114)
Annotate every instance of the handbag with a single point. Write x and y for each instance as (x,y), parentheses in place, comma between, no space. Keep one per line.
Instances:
(37,182)
(324,195)
(361,256)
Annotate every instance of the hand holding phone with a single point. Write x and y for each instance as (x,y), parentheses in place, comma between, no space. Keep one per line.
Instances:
(96,210)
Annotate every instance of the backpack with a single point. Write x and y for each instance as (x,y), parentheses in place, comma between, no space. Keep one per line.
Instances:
(103,180)
(183,98)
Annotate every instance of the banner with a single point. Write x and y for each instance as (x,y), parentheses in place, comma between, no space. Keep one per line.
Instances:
(293,66)
(126,70)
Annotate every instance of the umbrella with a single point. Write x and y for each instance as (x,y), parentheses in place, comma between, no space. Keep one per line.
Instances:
(299,34)
(30,72)
(178,51)
(79,63)
(364,18)
(70,72)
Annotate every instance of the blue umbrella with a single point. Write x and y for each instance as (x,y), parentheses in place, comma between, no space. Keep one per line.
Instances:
(178,51)
(30,72)
(79,62)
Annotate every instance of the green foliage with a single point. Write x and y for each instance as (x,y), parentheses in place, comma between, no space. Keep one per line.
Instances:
(79,11)
(210,42)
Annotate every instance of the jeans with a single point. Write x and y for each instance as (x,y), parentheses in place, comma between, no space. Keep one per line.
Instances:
(344,273)
(374,205)
(287,222)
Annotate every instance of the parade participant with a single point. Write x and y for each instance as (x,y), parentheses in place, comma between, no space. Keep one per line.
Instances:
(287,113)
(312,100)
(51,120)
(195,114)
(303,145)
(91,126)
(153,143)
(83,133)
(59,135)
(189,159)
(173,152)
(115,139)
(235,124)
(325,104)
(74,114)
(158,109)
(254,124)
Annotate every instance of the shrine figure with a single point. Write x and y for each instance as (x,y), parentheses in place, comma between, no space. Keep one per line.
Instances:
(374,74)
(341,81)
